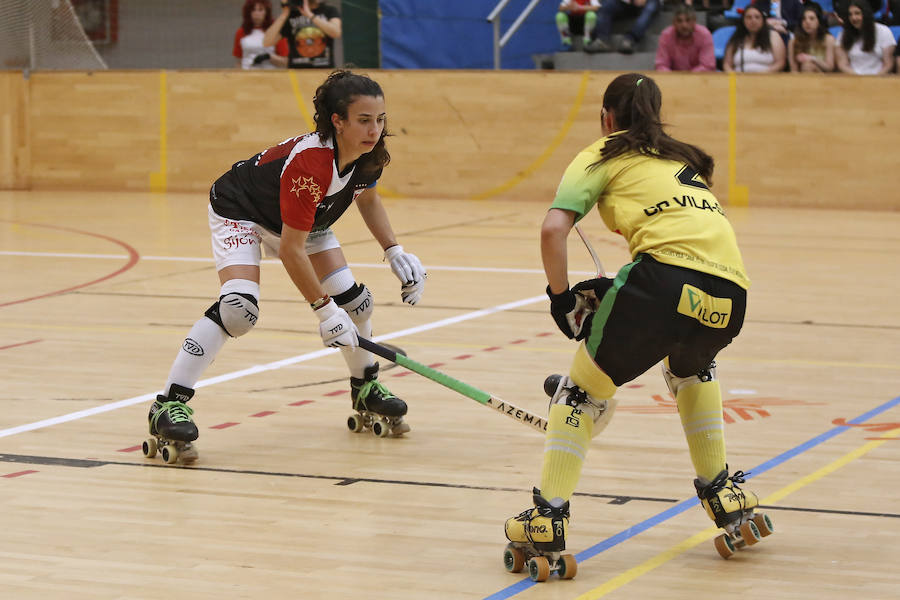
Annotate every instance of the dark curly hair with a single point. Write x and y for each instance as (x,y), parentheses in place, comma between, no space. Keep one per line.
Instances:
(335,96)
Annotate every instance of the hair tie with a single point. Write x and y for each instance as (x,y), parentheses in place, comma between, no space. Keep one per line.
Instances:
(638,82)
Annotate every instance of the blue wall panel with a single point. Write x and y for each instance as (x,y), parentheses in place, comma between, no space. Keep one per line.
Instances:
(455,34)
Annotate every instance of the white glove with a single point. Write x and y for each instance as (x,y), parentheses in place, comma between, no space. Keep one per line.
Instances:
(336,327)
(409,270)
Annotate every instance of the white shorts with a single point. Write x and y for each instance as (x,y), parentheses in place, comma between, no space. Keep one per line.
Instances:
(242,242)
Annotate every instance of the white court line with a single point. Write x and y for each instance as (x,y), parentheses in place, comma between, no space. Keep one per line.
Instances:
(81,414)
(273,260)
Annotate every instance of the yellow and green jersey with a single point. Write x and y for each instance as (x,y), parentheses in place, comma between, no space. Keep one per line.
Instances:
(661,207)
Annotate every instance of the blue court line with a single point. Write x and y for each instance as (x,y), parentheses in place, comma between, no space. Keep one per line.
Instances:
(524,584)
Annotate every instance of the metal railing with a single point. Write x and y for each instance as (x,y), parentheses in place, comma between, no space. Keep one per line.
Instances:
(494,19)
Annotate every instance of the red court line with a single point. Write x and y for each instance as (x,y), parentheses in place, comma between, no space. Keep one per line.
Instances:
(264,413)
(131,449)
(518,341)
(18,474)
(491,349)
(224,425)
(436,365)
(300,403)
(336,393)
(133,258)
(20,344)
(462,357)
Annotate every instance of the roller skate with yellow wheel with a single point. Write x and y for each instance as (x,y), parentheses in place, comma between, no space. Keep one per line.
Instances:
(734,510)
(376,407)
(172,428)
(537,537)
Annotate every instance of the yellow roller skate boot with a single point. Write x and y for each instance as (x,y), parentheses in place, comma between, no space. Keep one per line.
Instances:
(734,510)
(537,537)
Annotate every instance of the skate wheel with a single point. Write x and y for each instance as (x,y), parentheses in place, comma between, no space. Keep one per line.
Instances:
(724,545)
(539,568)
(513,559)
(355,423)
(749,533)
(381,428)
(169,455)
(567,567)
(764,524)
(149,447)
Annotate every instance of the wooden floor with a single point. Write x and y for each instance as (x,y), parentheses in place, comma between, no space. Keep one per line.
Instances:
(100,289)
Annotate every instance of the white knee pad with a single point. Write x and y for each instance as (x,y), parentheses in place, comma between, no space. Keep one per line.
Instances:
(237,309)
(357,301)
(601,410)
(353,297)
(676,383)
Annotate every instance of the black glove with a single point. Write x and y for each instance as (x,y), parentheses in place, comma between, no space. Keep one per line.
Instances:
(593,290)
(261,58)
(562,307)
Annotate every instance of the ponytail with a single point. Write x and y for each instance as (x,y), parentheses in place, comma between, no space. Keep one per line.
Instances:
(635,100)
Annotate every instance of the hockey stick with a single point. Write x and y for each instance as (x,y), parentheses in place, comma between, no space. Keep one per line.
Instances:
(600,271)
(513,412)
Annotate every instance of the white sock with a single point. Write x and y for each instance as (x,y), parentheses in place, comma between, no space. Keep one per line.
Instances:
(197,352)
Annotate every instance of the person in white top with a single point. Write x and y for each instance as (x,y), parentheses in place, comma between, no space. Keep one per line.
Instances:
(249,51)
(754,47)
(864,47)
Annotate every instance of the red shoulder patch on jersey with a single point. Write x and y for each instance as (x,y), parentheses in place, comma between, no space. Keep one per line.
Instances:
(304,183)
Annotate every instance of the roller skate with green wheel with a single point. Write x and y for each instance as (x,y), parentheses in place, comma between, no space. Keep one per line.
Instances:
(376,407)
(537,537)
(172,428)
(734,510)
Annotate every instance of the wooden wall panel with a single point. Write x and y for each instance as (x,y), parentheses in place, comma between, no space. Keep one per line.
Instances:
(800,141)
(95,130)
(15,154)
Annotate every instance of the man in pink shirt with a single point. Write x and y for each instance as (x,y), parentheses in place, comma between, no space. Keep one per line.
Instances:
(684,45)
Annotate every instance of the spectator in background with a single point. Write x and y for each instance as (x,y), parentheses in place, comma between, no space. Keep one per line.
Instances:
(310,27)
(684,45)
(841,8)
(783,16)
(754,47)
(576,16)
(249,51)
(864,47)
(811,50)
(611,10)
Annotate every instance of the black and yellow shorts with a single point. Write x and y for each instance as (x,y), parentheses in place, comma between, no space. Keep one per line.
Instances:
(653,310)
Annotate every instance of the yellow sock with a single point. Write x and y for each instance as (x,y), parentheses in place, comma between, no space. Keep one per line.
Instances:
(568,437)
(700,407)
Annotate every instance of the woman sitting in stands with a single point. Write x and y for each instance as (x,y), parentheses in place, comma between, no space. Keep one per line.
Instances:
(755,47)
(811,50)
(864,47)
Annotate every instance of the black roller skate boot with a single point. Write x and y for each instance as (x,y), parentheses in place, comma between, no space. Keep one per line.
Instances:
(172,428)
(376,407)
(734,510)
(537,536)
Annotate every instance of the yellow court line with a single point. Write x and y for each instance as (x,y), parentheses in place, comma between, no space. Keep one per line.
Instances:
(707,534)
(738,195)
(158,181)
(307,118)
(548,151)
